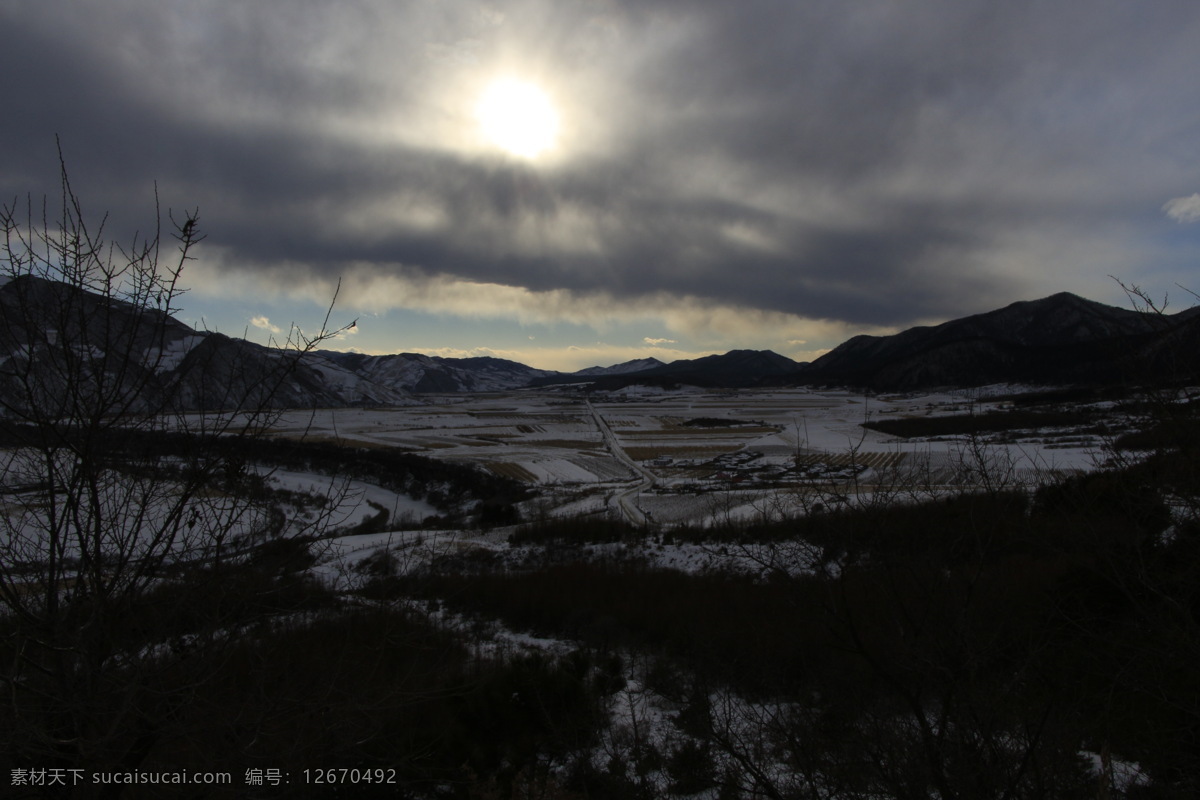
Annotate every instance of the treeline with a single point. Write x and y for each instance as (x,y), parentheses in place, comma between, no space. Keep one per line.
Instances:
(446,485)
(450,487)
(1084,419)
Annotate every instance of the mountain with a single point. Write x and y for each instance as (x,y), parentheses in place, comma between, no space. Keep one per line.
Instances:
(146,359)
(223,372)
(735,369)
(1058,339)
(58,341)
(50,332)
(637,365)
(417,373)
(63,348)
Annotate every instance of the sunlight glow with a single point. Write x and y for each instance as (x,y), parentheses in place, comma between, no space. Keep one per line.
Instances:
(518,118)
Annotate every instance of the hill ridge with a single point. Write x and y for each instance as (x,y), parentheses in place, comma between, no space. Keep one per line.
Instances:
(1061,338)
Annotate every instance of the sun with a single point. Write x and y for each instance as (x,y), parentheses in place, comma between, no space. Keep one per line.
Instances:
(518,117)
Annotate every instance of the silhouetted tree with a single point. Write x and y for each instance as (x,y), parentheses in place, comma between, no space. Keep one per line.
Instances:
(97,523)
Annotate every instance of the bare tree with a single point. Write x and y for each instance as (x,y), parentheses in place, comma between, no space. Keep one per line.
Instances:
(120,481)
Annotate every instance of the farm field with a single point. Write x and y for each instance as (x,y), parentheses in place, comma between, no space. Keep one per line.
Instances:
(672,458)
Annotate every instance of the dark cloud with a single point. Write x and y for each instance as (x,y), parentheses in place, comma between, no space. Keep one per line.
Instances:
(874,163)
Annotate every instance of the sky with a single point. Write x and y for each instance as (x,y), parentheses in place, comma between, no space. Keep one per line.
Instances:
(569,183)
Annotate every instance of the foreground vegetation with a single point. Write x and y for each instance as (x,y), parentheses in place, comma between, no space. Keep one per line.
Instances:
(975,646)
(989,644)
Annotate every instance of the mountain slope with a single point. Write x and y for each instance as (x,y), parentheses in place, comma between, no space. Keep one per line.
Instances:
(412,372)
(1061,338)
(221,372)
(58,341)
(60,345)
(735,369)
(637,365)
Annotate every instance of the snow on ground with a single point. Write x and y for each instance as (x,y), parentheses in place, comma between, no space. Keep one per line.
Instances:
(355,500)
(752,559)
(1124,775)
(340,561)
(551,441)
(492,639)
(172,355)
(549,469)
(575,505)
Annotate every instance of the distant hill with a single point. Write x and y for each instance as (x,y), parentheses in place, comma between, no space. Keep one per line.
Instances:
(1058,339)
(417,373)
(637,365)
(139,359)
(735,369)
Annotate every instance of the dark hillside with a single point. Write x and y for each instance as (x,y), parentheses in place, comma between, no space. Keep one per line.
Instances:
(1057,340)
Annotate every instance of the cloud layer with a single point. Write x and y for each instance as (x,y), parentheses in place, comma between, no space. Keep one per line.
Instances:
(863,165)
(1184,209)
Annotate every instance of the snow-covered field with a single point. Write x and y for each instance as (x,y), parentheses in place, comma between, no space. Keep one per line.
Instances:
(689,455)
(685,457)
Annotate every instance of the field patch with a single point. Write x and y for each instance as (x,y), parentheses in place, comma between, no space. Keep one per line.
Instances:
(507,469)
(604,468)
(701,433)
(647,452)
(568,444)
(876,460)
